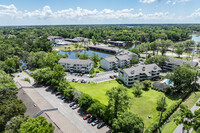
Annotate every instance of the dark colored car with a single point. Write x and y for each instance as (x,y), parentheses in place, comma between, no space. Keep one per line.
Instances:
(72,104)
(86,116)
(58,93)
(100,125)
(91,119)
(95,122)
(115,76)
(111,77)
(53,91)
(63,97)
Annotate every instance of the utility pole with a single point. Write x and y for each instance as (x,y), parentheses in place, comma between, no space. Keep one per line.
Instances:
(193,51)
(161,115)
(147,47)
(195,82)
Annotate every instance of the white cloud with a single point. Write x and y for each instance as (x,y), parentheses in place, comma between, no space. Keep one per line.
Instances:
(148,1)
(80,15)
(195,14)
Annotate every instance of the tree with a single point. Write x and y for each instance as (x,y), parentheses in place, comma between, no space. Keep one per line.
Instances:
(76,94)
(179,51)
(135,50)
(164,46)
(127,122)
(154,46)
(158,60)
(185,116)
(147,84)
(97,109)
(160,103)
(37,125)
(137,89)
(95,58)
(85,101)
(13,125)
(196,120)
(134,61)
(182,77)
(118,101)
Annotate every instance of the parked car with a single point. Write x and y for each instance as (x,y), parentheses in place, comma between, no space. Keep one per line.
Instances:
(95,122)
(73,80)
(81,74)
(111,77)
(91,119)
(115,71)
(115,76)
(75,106)
(76,80)
(86,116)
(72,104)
(58,93)
(83,81)
(53,91)
(100,125)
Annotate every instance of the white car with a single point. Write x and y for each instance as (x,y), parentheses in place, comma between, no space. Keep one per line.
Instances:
(75,106)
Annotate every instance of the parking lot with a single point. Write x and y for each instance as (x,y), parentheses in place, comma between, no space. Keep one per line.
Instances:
(100,77)
(75,116)
(73,119)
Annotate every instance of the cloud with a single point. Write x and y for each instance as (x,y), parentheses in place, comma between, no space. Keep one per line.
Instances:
(174,2)
(195,14)
(80,15)
(148,1)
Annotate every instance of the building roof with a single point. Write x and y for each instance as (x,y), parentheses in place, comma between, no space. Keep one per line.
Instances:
(179,62)
(159,84)
(74,61)
(139,69)
(111,59)
(123,57)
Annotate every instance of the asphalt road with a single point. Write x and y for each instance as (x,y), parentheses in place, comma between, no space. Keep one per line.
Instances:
(100,77)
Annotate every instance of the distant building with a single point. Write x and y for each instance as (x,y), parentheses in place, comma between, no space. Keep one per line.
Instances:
(172,62)
(77,65)
(117,43)
(76,40)
(52,38)
(140,73)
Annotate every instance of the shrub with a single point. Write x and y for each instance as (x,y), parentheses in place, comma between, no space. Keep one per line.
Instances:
(27,79)
(85,101)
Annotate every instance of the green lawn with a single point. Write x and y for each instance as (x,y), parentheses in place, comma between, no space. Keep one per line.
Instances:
(143,106)
(66,48)
(170,126)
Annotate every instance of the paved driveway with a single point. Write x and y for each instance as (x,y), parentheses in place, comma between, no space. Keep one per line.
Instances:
(100,77)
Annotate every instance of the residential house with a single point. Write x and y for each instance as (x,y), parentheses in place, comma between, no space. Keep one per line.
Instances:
(140,73)
(77,65)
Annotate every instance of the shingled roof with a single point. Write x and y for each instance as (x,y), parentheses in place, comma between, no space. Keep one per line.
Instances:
(179,62)
(146,69)
(74,61)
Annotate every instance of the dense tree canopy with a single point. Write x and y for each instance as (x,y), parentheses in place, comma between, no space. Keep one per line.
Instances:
(128,122)
(37,125)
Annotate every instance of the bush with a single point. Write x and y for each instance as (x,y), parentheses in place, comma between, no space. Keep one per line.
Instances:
(27,79)
(160,103)
(168,90)
(85,101)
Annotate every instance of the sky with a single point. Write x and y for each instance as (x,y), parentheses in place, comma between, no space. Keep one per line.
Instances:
(69,12)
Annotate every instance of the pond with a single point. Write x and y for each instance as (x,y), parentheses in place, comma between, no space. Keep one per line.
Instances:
(196,38)
(72,54)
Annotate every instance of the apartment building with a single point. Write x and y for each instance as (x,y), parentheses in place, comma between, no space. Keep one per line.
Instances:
(139,72)
(115,62)
(77,65)
(172,62)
